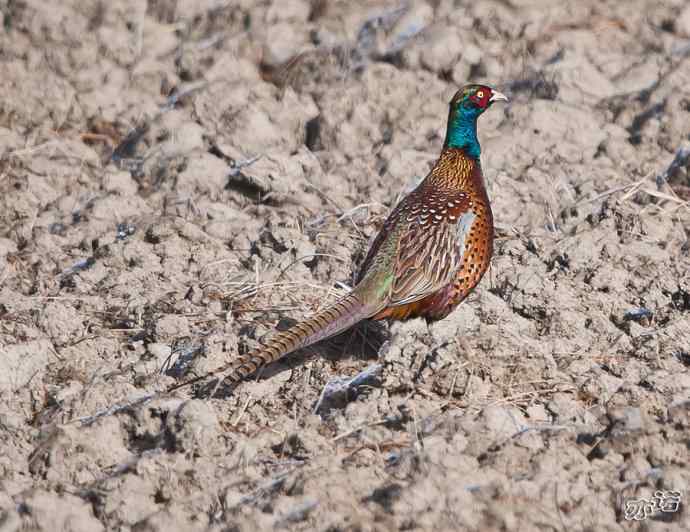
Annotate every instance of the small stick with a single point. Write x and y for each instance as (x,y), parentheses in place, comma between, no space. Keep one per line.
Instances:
(299,513)
(269,486)
(115,409)
(235,169)
(342,385)
(661,195)
(610,191)
(358,428)
(242,411)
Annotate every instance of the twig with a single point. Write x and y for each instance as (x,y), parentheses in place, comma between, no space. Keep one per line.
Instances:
(664,196)
(360,427)
(542,428)
(300,259)
(129,465)
(341,385)
(356,208)
(238,165)
(242,411)
(248,289)
(523,394)
(267,487)
(343,286)
(636,186)
(611,191)
(341,215)
(139,35)
(382,446)
(115,409)
(299,513)
(33,149)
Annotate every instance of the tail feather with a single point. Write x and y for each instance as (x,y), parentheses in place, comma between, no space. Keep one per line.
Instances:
(345,313)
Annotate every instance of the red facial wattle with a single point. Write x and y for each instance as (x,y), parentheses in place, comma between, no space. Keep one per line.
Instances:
(481,97)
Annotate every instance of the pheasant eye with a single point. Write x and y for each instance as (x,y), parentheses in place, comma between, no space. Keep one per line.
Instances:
(480,94)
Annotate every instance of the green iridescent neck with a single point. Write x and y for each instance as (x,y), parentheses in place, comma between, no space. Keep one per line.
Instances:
(462,130)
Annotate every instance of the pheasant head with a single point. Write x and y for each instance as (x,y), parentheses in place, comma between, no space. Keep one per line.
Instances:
(465,107)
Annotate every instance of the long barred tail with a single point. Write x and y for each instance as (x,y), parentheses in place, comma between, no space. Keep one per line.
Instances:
(345,313)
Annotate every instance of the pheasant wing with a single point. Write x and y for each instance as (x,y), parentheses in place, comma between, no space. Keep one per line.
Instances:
(430,232)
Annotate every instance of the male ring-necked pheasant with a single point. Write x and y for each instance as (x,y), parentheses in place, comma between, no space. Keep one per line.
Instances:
(431,252)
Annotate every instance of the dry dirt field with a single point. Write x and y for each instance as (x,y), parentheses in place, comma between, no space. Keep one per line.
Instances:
(180,178)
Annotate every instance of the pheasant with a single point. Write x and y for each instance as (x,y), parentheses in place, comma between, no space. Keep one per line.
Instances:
(432,250)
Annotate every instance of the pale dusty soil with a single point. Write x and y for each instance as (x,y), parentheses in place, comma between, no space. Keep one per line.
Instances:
(543,403)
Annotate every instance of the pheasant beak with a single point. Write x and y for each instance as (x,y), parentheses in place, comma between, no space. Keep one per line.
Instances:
(495,96)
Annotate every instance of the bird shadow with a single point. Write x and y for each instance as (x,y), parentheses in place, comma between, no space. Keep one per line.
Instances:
(362,341)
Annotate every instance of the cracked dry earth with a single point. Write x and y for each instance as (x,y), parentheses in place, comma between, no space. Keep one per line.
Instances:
(178,179)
